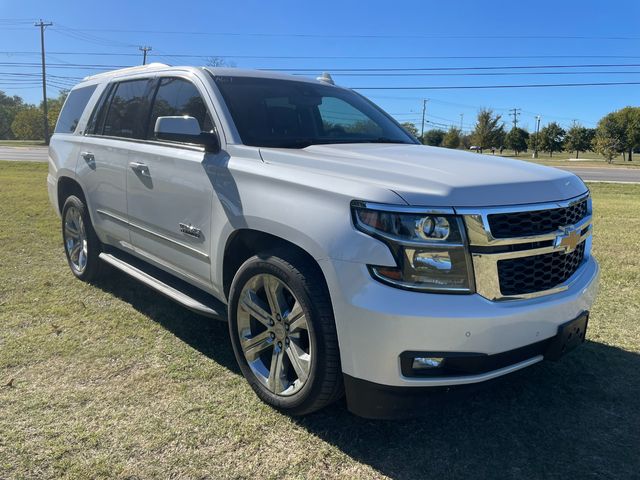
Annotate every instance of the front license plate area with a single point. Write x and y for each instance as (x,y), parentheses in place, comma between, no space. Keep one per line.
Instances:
(570,335)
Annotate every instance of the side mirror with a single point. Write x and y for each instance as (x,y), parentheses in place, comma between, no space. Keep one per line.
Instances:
(185,129)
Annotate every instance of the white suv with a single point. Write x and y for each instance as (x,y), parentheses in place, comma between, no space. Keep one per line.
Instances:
(346,256)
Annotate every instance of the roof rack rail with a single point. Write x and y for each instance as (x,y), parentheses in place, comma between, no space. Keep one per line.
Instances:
(139,68)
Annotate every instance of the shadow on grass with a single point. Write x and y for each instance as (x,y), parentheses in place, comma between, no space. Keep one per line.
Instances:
(576,418)
(207,335)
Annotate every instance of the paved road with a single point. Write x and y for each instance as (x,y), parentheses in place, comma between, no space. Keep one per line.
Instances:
(24,154)
(607,174)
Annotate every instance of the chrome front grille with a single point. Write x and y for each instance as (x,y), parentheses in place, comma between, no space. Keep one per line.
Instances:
(528,251)
(535,222)
(518,276)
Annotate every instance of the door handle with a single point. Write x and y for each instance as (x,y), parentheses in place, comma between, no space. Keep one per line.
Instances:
(88,156)
(140,168)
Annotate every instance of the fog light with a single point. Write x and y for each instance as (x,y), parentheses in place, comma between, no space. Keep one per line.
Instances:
(426,363)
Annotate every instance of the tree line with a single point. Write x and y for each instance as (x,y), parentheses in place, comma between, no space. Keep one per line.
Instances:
(617,133)
(23,121)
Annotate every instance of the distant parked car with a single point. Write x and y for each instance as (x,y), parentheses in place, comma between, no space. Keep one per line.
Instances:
(474,147)
(345,256)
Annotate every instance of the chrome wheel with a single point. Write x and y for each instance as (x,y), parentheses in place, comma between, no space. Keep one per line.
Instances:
(274,334)
(75,239)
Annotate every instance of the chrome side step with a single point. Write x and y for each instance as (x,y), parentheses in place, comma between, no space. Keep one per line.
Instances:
(169,286)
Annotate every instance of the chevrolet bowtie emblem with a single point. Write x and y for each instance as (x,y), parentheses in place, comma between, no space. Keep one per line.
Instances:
(568,241)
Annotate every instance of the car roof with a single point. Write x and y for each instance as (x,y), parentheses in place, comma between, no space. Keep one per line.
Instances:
(216,71)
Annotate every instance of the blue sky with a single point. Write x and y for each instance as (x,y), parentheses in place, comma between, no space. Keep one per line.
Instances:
(374,35)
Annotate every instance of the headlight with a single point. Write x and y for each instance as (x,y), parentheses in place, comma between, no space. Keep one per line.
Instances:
(429,246)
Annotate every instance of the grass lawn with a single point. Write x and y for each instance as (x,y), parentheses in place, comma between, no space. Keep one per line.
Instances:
(114,381)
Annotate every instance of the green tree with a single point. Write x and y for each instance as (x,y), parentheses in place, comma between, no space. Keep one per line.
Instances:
(433,137)
(27,124)
(609,138)
(534,141)
(9,107)
(578,139)
(629,120)
(489,131)
(516,140)
(410,128)
(452,138)
(551,138)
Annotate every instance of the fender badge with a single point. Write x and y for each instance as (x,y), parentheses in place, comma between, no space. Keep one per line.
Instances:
(190,230)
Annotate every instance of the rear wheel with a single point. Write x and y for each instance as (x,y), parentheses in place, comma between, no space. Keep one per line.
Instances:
(81,244)
(283,333)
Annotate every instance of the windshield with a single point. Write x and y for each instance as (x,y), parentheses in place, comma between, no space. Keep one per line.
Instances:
(289,114)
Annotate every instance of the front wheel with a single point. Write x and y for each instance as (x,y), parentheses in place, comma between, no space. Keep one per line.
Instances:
(283,333)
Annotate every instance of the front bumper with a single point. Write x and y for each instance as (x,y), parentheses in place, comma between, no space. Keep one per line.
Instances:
(371,400)
(377,323)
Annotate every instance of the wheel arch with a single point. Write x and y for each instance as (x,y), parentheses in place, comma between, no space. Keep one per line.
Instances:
(244,243)
(68,186)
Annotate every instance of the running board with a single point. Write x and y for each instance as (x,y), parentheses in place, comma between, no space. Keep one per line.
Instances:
(185,294)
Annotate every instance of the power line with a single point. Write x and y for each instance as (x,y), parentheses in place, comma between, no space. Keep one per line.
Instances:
(404,70)
(65,65)
(325,57)
(29,74)
(325,35)
(477,107)
(89,37)
(470,87)
(483,74)
(482,67)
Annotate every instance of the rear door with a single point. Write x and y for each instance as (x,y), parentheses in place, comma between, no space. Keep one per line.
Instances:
(169,194)
(113,129)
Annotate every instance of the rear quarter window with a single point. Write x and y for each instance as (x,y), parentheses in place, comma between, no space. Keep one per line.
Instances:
(73,107)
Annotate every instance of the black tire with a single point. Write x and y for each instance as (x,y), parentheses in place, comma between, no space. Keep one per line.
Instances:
(324,383)
(93,267)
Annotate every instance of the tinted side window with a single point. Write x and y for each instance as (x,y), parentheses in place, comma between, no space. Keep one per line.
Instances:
(96,122)
(128,110)
(73,108)
(177,96)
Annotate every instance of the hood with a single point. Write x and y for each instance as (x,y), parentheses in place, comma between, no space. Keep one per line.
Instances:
(431,176)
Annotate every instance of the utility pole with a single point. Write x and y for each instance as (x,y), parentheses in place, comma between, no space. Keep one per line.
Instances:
(535,146)
(42,26)
(514,112)
(461,118)
(424,111)
(144,51)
